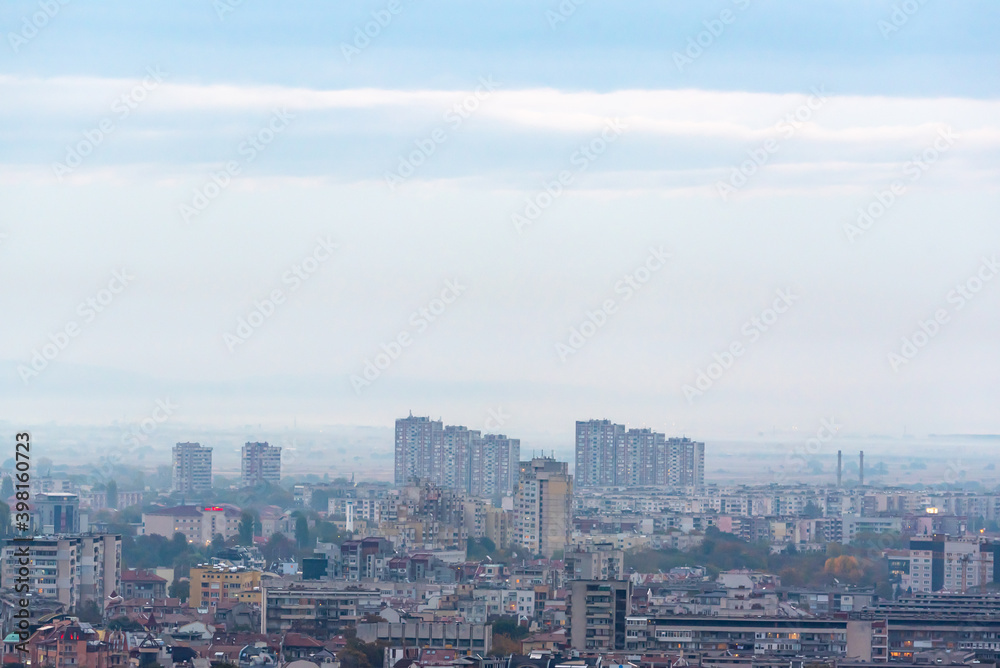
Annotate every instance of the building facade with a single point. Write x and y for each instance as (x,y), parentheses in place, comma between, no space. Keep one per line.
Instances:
(260,464)
(455,457)
(543,506)
(212,585)
(608,455)
(199,524)
(597,614)
(67,568)
(192,468)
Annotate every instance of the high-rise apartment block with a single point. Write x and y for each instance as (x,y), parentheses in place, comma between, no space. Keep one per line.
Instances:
(494,465)
(686,460)
(69,568)
(455,457)
(608,455)
(543,504)
(261,464)
(192,468)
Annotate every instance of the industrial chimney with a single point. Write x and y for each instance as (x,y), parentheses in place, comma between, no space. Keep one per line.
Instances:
(861,470)
(840,468)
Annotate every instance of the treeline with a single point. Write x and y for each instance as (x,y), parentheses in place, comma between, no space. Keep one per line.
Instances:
(859,563)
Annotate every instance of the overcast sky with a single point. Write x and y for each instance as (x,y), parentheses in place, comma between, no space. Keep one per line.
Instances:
(593,202)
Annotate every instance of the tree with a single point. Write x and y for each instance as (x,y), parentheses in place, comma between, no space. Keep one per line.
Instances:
(246,528)
(180,589)
(218,544)
(320,500)
(124,624)
(504,645)
(278,547)
(301,530)
(112,494)
(90,612)
(811,510)
(510,627)
(4,518)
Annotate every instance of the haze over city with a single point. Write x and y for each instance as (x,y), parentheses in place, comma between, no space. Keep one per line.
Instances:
(544,166)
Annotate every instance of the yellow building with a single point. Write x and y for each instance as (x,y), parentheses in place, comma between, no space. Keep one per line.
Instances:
(223,583)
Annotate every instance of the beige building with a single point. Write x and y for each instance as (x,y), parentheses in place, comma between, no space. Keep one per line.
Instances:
(543,506)
(223,583)
(199,524)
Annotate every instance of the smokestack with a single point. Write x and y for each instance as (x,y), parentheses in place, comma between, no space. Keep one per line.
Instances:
(840,468)
(861,470)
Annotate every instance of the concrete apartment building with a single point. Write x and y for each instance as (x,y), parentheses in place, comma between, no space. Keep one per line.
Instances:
(941,563)
(317,609)
(223,584)
(455,457)
(493,465)
(191,468)
(199,524)
(597,612)
(465,638)
(57,513)
(608,455)
(600,562)
(543,506)
(67,568)
(260,464)
(866,640)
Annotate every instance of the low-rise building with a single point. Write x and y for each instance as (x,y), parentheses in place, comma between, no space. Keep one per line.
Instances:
(466,638)
(199,524)
(316,608)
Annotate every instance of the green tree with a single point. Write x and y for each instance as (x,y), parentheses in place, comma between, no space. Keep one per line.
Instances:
(510,627)
(246,528)
(320,500)
(278,547)
(112,494)
(90,612)
(811,510)
(4,518)
(504,645)
(301,531)
(180,588)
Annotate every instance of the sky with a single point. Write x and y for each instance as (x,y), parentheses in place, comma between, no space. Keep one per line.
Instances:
(713,218)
